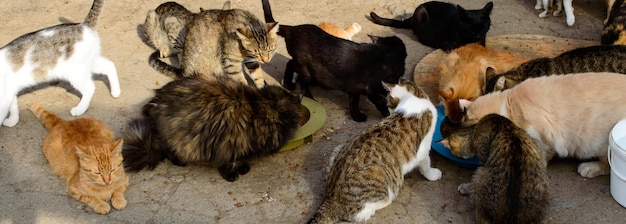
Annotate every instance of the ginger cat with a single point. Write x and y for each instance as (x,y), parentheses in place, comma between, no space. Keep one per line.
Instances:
(462,74)
(84,153)
(337,31)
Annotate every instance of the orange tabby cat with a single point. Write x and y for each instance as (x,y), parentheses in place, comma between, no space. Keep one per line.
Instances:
(83,152)
(337,31)
(462,74)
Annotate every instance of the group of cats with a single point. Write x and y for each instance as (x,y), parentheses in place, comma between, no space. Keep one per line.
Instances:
(219,94)
(515,114)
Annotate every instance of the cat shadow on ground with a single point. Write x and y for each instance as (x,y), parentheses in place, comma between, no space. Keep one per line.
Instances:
(66,85)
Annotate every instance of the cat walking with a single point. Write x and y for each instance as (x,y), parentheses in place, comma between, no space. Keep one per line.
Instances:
(223,121)
(367,173)
(84,153)
(511,184)
(69,52)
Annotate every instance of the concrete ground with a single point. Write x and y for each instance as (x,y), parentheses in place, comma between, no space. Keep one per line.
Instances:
(281,188)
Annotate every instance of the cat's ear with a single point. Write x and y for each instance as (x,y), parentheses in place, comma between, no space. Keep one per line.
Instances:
(500,83)
(446,94)
(421,14)
(82,155)
(226,6)
(272,27)
(117,146)
(388,86)
(487,9)
(445,142)
(373,38)
(464,104)
(242,34)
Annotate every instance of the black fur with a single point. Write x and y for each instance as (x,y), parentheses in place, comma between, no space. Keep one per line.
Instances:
(443,25)
(335,63)
(223,122)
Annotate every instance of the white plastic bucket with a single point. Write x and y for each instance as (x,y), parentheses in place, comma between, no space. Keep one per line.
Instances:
(617,160)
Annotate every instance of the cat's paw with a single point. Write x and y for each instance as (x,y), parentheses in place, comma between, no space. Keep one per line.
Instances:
(101,207)
(570,21)
(116,92)
(539,5)
(77,111)
(119,203)
(11,121)
(433,174)
(543,14)
(359,117)
(465,188)
(243,168)
(591,169)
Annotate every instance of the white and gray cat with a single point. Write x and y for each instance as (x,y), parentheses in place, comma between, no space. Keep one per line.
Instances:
(69,52)
(571,115)
(367,173)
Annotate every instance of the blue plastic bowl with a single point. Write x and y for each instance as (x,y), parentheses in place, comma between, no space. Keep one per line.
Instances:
(470,163)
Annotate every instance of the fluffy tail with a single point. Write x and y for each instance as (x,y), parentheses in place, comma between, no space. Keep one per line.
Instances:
(403,24)
(163,67)
(267,11)
(94,12)
(49,120)
(139,150)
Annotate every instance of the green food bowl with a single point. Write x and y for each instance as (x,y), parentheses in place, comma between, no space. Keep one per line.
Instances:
(313,118)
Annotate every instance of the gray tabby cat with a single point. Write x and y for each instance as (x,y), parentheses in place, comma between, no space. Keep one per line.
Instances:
(586,59)
(69,52)
(226,43)
(367,173)
(166,26)
(511,185)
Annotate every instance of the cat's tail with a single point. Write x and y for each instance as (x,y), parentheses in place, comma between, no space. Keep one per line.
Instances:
(94,13)
(324,214)
(163,67)
(403,24)
(140,150)
(267,11)
(49,120)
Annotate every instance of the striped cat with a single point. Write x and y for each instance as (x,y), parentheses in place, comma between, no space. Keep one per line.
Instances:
(69,52)
(601,58)
(367,173)
(228,43)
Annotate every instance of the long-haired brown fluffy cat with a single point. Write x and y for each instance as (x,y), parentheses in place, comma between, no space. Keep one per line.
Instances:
(571,114)
(223,121)
(462,74)
(367,173)
(511,184)
(84,153)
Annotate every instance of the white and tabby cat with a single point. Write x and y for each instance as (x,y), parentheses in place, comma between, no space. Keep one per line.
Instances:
(367,173)
(571,114)
(69,52)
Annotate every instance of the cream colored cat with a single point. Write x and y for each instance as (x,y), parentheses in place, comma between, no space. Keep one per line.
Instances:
(571,114)
(84,153)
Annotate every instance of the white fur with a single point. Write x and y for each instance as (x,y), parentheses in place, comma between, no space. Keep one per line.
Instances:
(77,70)
(370,208)
(561,5)
(410,105)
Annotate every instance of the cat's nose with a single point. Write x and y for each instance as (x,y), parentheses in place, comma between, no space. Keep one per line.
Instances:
(266,59)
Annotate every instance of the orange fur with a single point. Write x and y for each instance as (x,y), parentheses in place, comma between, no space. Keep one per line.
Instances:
(337,31)
(84,153)
(462,74)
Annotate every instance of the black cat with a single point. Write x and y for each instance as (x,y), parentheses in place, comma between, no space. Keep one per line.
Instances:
(443,25)
(335,63)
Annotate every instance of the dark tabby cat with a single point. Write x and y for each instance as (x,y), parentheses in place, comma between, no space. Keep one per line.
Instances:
(443,25)
(601,58)
(614,31)
(221,121)
(340,64)
(69,52)
(225,43)
(511,184)
(367,173)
